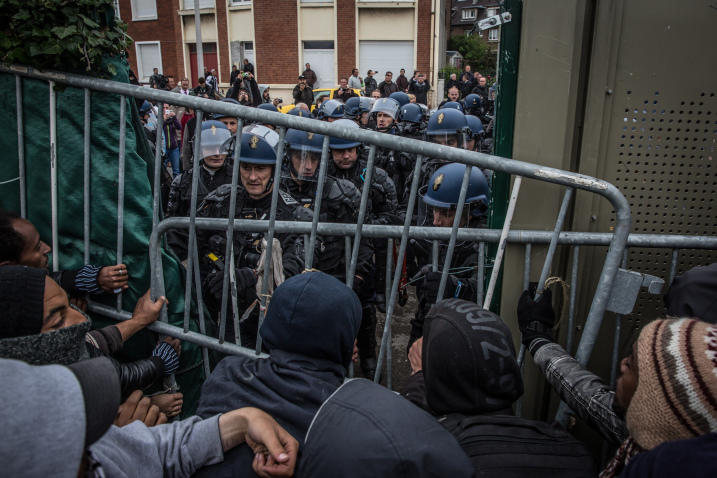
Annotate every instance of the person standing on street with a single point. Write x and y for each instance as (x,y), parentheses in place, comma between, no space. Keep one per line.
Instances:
(354,80)
(387,86)
(310,75)
(370,83)
(402,81)
(302,92)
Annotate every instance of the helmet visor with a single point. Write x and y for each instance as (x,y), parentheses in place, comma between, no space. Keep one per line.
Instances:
(452,139)
(304,163)
(212,141)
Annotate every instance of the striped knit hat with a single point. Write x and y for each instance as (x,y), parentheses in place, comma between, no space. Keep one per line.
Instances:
(677,385)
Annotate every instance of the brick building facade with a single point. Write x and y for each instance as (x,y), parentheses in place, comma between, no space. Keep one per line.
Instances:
(279,36)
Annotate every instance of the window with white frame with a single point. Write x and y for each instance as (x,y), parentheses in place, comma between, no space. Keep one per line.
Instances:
(493,34)
(149,57)
(469,14)
(144,10)
(235,3)
(189,4)
(491,12)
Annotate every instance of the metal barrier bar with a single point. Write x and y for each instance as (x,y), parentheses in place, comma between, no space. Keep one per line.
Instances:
(317,203)
(235,300)
(454,231)
(521,352)
(573,295)
(481,273)
(434,256)
(120,189)
(270,234)
(53,176)
(397,273)
(164,329)
(229,251)
(553,242)
(673,266)
(192,244)
(86,169)
(616,338)
(389,350)
(155,254)
(526,267)
(21,147)
(443,234)
(200,310)
(361,217)
(347,259)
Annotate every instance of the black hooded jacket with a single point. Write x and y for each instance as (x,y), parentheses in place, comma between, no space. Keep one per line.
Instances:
(366,431)
(309,329)
(694,294)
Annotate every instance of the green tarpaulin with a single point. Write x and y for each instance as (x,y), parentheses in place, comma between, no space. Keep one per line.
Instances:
(104,148)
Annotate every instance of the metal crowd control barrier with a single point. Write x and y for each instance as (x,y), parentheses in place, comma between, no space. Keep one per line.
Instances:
(617,241)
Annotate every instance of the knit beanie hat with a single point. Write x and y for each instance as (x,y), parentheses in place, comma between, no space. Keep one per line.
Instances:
(22,292)
(676,395)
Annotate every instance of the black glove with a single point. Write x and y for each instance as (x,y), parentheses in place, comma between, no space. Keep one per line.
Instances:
(536,319)
(245,277)
(169,356)
(454,287)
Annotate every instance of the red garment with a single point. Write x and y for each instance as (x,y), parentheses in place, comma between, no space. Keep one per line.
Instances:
(185,118)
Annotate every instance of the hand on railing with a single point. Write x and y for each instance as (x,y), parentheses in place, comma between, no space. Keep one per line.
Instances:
(536,319)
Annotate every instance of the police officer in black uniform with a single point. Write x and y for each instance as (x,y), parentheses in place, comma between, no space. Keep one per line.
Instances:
(257,160)
(349,162)
(340,203)
(440,197)
(214,171)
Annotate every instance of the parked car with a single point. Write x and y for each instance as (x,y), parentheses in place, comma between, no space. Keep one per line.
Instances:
(317,93)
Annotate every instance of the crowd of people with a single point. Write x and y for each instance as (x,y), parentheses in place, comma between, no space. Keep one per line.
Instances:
(83,413)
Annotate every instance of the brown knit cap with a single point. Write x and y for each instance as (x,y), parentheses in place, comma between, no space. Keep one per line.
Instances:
(677,385)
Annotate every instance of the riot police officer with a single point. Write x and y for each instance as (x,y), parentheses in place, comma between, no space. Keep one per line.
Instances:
(213,172)
(348,161)
(257,160)
(330,111)
(440,197)
(357,109)
(340,203)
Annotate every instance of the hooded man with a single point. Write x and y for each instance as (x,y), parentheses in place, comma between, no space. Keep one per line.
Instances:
(365,430)
(694,294)
(466,374)
(309,330)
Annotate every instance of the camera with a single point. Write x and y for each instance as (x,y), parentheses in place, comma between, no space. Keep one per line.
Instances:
(281,100)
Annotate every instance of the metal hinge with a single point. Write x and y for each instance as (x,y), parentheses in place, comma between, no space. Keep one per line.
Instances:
(494,21)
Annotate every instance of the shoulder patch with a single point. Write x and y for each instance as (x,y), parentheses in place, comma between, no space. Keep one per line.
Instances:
(287,198)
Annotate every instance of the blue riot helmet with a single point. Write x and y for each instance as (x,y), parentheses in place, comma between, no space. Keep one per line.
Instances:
(303,154)
(443,191)
(473,104)
(453,105)
(331,110)
(146,108)
(215,139)
(400,97)
(411,113)
(357,108)
(386,106)
(299,112)
(268,107)
(351,108)
(339,143)
(259,146)
(476,132)
(448,127)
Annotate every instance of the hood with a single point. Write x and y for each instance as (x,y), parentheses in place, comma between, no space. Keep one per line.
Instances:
(365,430)
(694,294)
(469,363)
(315,315)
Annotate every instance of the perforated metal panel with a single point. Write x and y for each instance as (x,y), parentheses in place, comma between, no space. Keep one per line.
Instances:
(659,131)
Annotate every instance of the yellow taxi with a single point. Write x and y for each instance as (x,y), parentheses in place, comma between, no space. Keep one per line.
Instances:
(317,93)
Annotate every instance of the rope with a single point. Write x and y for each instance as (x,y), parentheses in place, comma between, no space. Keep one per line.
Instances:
(564,306)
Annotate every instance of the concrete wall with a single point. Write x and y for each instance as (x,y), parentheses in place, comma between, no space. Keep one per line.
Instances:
(386,24)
